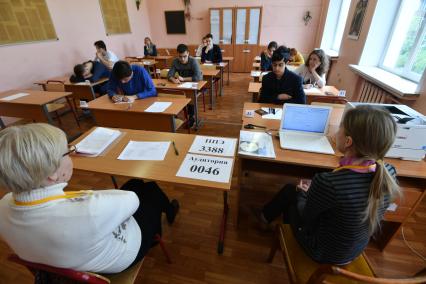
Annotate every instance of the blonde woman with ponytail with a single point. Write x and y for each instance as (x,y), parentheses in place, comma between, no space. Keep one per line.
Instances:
(334,215)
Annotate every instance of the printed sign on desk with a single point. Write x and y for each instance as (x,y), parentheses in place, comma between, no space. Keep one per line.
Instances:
(209,168)
(218,146)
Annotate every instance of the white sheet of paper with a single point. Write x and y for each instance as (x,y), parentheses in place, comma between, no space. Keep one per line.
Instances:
(209,168)
(84,104)
(188,85)
(208,64)
(313,90)
(97,141)
(14,97)
(145,151)
(218,146)
(158,107)
(222,63)
(257,144)
(278,113)
(392,207)
(255,73)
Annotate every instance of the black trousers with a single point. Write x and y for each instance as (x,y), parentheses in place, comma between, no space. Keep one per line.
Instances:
(153,202)
(289,202)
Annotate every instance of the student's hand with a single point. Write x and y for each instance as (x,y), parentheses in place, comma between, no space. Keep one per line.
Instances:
(304,184)
(117,98)
(175,80)
(312,70)
(284,97)
(98,55)
(181,79)
(308,86)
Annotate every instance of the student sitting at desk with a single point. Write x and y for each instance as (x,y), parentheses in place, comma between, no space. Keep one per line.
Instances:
(185,69)
(106,57)
(212,52)
(92,71)
(200,47)
(149,49)
(281,85)
(314,70)
(100,231)
(130,82)
(265,57)
(334,216)
(296,58)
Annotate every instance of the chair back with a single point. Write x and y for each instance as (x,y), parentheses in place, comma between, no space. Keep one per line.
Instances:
(164,73)
(81,92)
(54,86)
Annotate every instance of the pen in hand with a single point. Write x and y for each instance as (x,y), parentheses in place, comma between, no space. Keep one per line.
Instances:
(176,150)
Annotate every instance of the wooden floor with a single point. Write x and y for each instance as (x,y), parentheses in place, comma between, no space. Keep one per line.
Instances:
(192,239)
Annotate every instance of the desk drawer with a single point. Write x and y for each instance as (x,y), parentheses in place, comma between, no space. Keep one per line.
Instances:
(403,206)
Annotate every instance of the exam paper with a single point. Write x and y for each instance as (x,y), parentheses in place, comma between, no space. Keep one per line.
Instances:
(145,151)
(97,141)
(14,97)
(313,91)
(158,107)
(277,113)
(188,85)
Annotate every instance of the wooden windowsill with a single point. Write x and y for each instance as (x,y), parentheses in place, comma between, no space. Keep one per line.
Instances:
(390,82)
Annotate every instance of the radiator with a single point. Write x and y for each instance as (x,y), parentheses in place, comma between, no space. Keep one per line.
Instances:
(371,93)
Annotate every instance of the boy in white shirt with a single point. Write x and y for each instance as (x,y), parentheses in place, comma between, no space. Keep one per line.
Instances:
(106,57)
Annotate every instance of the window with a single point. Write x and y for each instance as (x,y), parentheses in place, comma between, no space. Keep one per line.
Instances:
(405,54)
(335,24)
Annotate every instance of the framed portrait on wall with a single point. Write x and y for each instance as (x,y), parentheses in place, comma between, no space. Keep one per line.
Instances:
(357,19)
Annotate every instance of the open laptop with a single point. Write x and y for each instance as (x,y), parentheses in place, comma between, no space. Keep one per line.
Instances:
(304,128)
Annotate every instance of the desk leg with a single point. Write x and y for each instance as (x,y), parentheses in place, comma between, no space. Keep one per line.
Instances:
(74,111)
(114,181)
(212,92)
(221,82)
(197,122)
(229,67)
(220,244)
(173,123)
(2,125)
(47,114)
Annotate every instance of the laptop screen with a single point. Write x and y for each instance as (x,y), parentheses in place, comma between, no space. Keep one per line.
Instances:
(303,118)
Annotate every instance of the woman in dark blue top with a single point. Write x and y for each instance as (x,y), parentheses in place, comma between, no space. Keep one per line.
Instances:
(149,49)
(266,56)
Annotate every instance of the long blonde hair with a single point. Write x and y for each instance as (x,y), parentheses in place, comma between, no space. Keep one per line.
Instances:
(373,132)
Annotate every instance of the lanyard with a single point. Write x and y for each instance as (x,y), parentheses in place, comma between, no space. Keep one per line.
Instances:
(368,169)
(66,195)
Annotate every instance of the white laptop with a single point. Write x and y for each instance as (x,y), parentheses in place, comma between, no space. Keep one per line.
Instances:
(304,128)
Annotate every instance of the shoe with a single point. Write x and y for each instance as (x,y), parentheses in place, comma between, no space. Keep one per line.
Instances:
(261,223)
(171,218)
(191,122)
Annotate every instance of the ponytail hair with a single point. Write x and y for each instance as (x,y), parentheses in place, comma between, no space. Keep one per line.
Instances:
(373,132)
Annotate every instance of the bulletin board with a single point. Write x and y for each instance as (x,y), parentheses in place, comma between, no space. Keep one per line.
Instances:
(116,19)
(25,21)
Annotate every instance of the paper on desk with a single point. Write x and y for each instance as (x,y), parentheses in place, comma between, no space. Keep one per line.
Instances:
(278,113)
(188,85)
(208,64)
(145,151)
(255,73)
(257,144)
(97,141)
(14,97)
(222,63)
(158,107)
(218,146)
(313,91)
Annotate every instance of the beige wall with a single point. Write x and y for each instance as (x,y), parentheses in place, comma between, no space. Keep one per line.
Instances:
(350,53)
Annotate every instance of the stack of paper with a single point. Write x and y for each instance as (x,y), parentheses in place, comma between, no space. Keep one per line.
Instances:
(158,107)
(188,85)
(256,144)
(97,141)
(14,97)
(145,151)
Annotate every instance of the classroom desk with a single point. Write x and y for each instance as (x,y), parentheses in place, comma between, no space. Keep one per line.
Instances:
(210,75)
(298,164)
(33,106)
(66,81)
(160,171)
(256,65)
(193,93)
(311,94)
(228,60)
(108,114)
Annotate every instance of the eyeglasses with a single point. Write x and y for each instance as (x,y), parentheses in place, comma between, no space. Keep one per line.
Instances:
(71,149)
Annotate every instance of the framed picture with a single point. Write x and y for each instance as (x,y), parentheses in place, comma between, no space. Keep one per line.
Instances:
(357,19)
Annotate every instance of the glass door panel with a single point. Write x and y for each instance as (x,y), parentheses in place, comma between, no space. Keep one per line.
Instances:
(254,25)
(227,26)
(215,25)
(241,26)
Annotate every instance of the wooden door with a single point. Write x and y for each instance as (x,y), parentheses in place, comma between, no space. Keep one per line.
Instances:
(247,35)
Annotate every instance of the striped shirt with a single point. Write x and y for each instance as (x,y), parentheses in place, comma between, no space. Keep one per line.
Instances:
(332,229)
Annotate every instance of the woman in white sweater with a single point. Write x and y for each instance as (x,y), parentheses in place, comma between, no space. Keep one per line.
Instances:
(314,70)
(99,231)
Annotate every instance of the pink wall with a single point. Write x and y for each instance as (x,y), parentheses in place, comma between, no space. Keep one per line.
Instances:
(282,21)
(78,25)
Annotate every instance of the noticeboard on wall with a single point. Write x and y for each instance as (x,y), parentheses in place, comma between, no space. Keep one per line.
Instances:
(175,22)
(24,21)
(116,19)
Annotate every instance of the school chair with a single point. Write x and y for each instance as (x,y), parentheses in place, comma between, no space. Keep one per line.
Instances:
(215,80)
(302,269)
(172,93)
(58,86)
(164,73)
(80,92)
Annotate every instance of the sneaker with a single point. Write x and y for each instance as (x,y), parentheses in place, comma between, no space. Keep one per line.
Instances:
(171,218)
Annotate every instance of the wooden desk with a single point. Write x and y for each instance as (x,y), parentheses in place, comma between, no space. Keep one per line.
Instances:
(33,106)
(256,65)
(159,59)
(311,94)
(411,175)
(193,93)
(210,75)
(66,81)
(161,171)
(228,60)
(108,114)
(220,66)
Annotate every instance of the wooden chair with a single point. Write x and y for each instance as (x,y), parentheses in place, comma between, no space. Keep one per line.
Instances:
(172,93)
(302,269)
(45,273)
(80,92)
(58,86)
